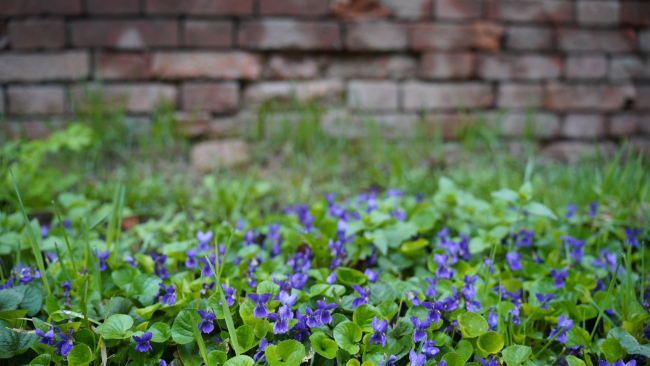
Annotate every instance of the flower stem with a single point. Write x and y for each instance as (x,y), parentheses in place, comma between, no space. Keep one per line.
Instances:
(549,342)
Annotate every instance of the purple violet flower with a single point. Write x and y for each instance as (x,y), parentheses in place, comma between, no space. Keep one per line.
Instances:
(207,325)
(631,236)
(169,297)
(514,261)
(204,239)
(102,256)
(159,265)
(66,288)
(372,276)
(379,327)
(570,210)
(413,297)
(493,320)
(331,279)
(389,361)
(488,362)
(206,271)
(191,261)
(311,319)
(47,337)
(429,348)
(593,209)
(524,238)
(431,290)
(434,310)
(260,310)
(420,326)
(64,346)
(323,312)
(559,277)
(364,296)
(620,362)
(417,360)
(544,299)
(300,329)
(44,231)
(443,271)
(229,294)
(143,342)
(563,326)
(260,355)
(131,261)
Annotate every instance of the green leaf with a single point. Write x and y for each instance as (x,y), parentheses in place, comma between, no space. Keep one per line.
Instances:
(44,359)
(183,327)
(124,276)
(240,361)
(472,325)
(381,291)
(323,345)
(349,276)
(13,342)
(612,350)
(245,337)
(217,358)
(10,299)
(287,353)
(363,316)
(346,335)
(190,354)
(506,195)
(160,332)
(465,349)
(629,343)
(539,209)
(490,342)
(146,285)
(116,327)
(453,359)
(574,361)
(342,356)
(516,355)
(268,287)
(392,236)
(32,299)
(81,355)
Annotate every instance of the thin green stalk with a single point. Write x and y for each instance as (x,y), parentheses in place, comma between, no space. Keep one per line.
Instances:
(32,239)
(226,310)
(549,342)
(199,340)
(607,299)
(67,242)
(63,268)
(642,271)
(533,313)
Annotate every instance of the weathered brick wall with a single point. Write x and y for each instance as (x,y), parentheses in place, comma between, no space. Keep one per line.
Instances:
(583,65)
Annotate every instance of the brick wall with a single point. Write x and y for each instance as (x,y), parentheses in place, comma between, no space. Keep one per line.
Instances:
(583,65)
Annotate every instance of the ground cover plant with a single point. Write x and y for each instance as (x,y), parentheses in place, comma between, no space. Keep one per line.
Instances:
(381,278)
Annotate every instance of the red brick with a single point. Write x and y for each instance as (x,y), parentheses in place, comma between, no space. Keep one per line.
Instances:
(530,38)
(279,34)
(435,36)
(373,95)
(556,11)
(624,125)
(209,155)
(39,99)
(113,7)
(288,67)
(208,33)
(10,8)
(601,97)
(507,67)
(459,9)
(375,36)
(30,129)
(635,13)
(629,67)
(300,90)
(2,101)
(644,124)
(642,101)
(520,95)
(205,64)
(598,12)
(133,98)
(344,124)
(408,9)
(644,40)
(71,65)
(304,8)
(37,33)
(447,65)
(200,7)
(122,66)
(213,97)
(585,67)
(376,67)
(519,124)
(583,126)
(418,95)
(574,151)
(125,34)
(623,40)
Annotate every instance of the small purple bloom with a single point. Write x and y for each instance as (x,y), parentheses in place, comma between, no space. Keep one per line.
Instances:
(443,270)
(372,276)
(420,326)
(417,360)
(493,320)
(191,261)
(310,318)
(323,312)
(300,329)
(389,361)
(631,236)
(64,346)
(331,279)
(204,238)
(44,231)
(606,259)
(260,354)
(544,299)
(260,310)
(131,261)
(143,342)
(434,310)
(559,277)
(47,337)
(431,290)
(229,294)
(413,297)
(593,209)
(102,256)
(206,271)
(298,280)
(170,295)
(364,296)
(488,362)
(379,327)
(514,261)
(66,288)
(524,238)
(563,326)
(159,265)
(207,325)
(429,348)
(620,362)
(570,210)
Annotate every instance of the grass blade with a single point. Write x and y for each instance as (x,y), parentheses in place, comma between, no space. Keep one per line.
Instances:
(32,239)
(607,301)
(67,242)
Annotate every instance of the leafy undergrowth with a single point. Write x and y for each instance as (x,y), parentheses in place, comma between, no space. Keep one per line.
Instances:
(381,278)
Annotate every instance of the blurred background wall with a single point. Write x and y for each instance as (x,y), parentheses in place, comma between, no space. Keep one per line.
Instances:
(582,67)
